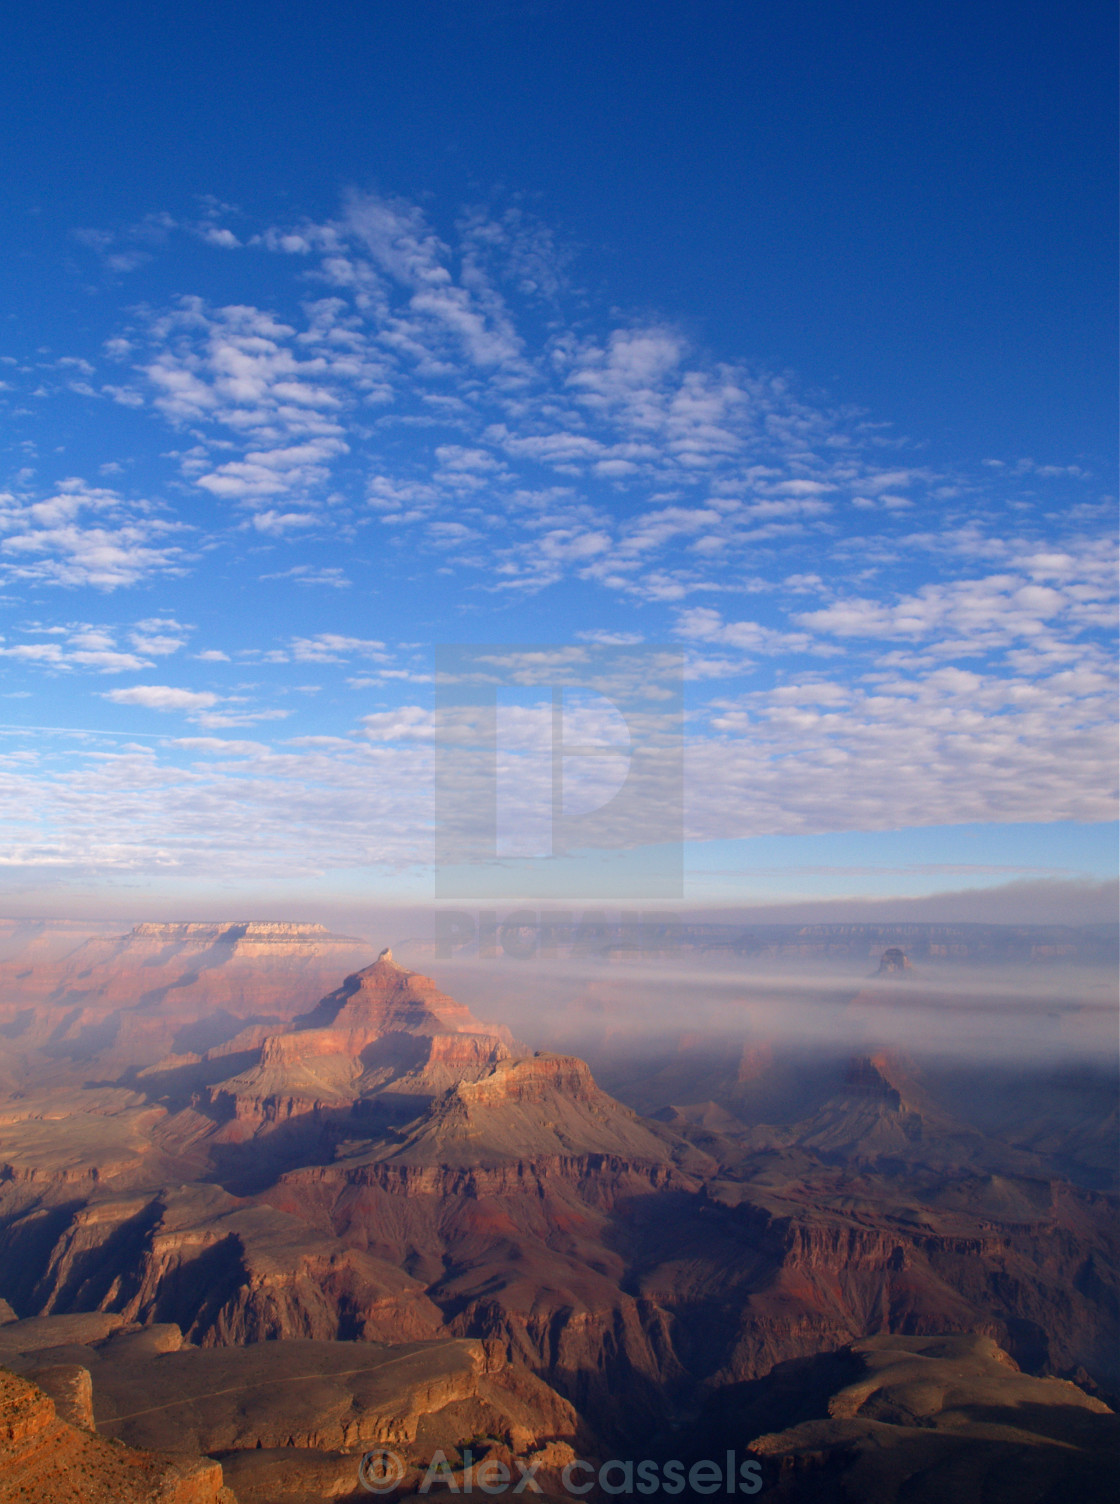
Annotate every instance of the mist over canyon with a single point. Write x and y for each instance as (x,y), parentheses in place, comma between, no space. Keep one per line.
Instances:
(836,1198)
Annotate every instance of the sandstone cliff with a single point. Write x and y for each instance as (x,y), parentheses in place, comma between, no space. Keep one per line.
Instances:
(48,1459)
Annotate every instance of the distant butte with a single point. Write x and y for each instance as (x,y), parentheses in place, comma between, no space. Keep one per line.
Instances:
(893,960)
(261,931)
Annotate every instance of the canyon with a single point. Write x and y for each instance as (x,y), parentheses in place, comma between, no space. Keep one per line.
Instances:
(282,1198)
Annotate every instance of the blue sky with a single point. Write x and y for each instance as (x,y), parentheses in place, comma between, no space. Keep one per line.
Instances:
(783,334)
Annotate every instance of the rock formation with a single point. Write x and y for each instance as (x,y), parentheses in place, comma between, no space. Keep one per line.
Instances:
(386,1035)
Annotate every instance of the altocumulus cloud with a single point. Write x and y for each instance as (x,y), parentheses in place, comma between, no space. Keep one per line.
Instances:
(84,535)
(162,697)
(872,640)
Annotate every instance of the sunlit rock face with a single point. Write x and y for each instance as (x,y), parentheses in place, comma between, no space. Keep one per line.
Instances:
(49,1452)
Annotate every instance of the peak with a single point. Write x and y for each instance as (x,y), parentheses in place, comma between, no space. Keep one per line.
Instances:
(387,973)
(870,1075)
(893,960)
(385,998)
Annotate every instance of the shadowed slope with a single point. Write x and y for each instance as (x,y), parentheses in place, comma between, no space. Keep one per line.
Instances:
(923,1420)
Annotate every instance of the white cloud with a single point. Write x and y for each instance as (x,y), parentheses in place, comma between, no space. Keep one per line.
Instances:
(334,647)
(705,624)
(83,646)
(279,401)
(967,616)
(124,395)
(276,392)
(107,660)
(159,636)
(219,236)
(279,523)
(409,723)
(84,535)
(162,697)
(309,574)
(221,718)
(272,472)
(611,639)
(402,247)
(950,747)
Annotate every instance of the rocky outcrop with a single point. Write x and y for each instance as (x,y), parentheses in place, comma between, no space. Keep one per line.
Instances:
(32,942)
(44,1333)
(814,1269)
(520,1124)
(501,1197)
(315,1405)
(46,1458)
(76,1137)
(70,1388)
(286,1417)
(544,1108)
(323,1395)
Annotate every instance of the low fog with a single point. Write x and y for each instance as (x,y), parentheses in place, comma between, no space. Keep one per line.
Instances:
(609,1009)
